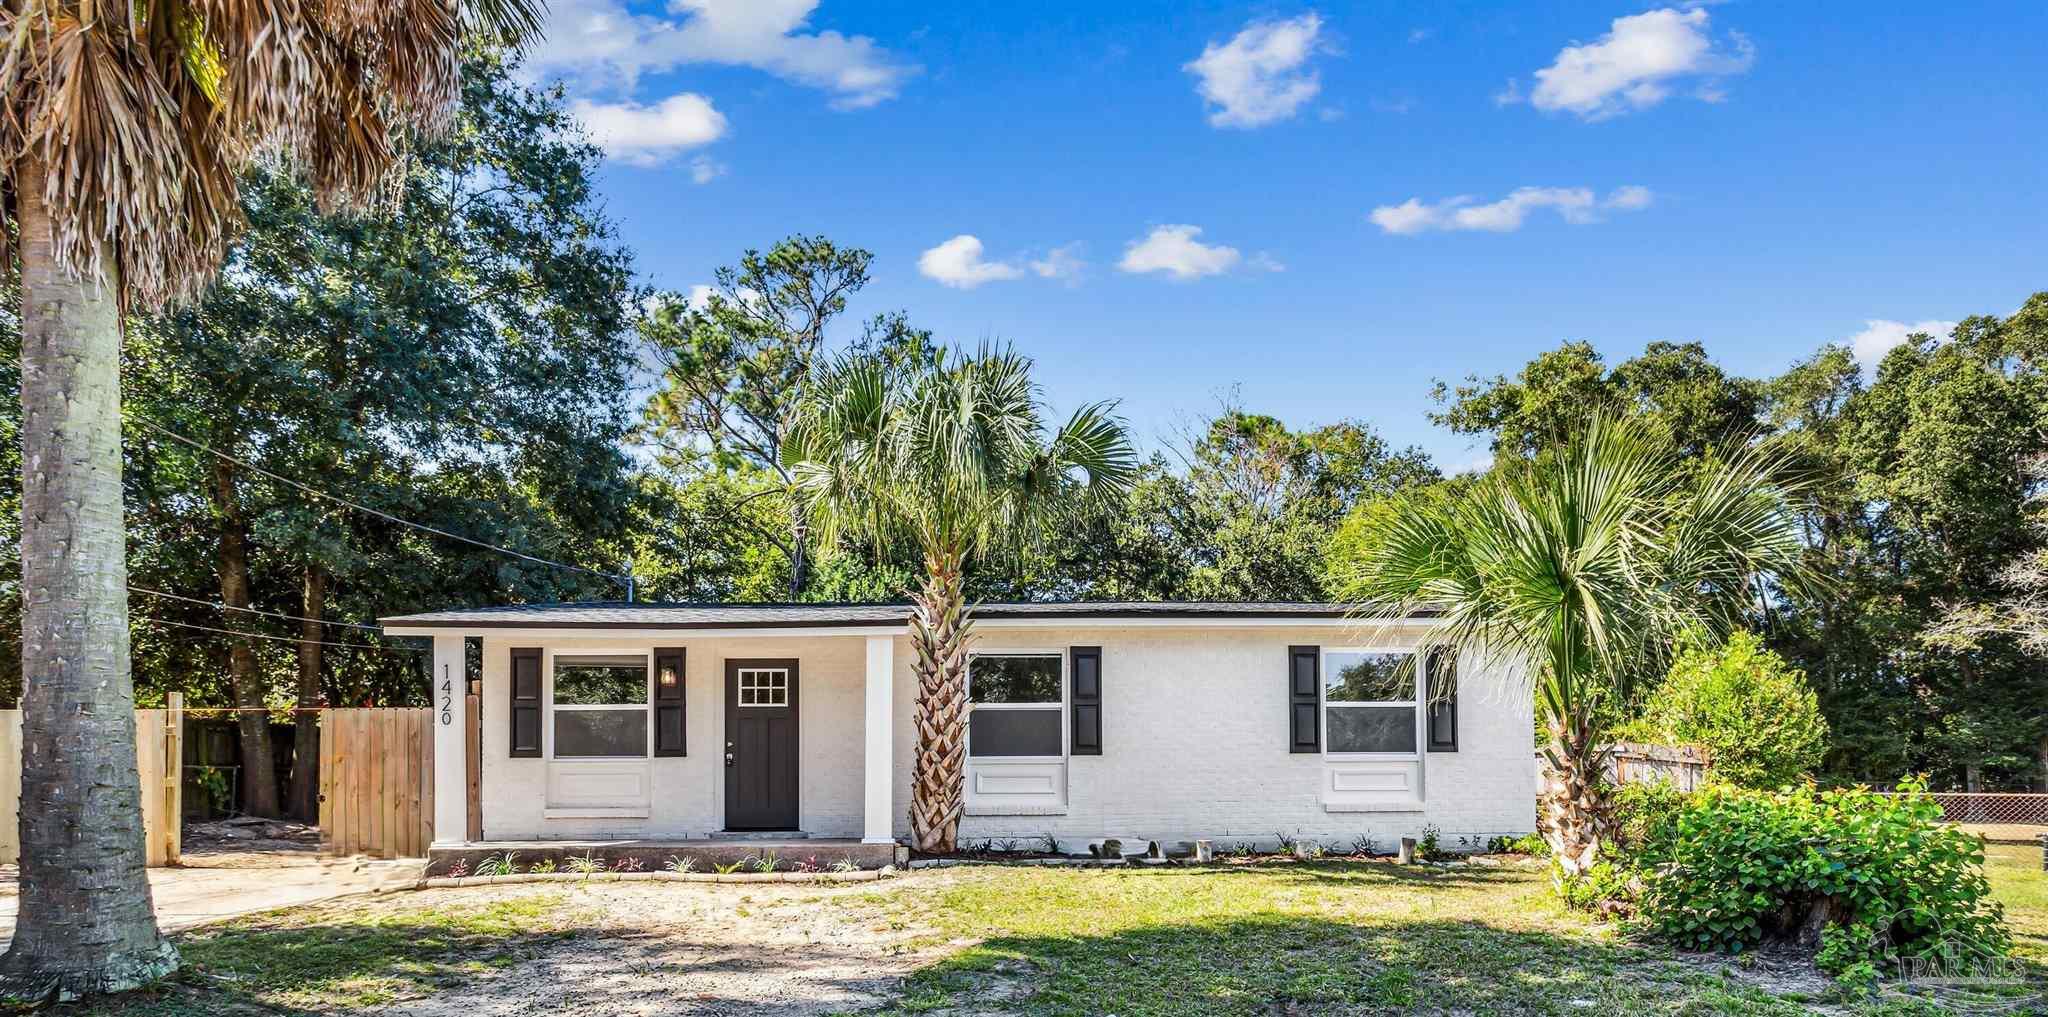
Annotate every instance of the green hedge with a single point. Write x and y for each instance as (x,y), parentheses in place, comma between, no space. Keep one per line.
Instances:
(1727,868)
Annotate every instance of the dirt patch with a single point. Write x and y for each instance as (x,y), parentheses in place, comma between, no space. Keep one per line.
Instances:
(688,949)
(221,843)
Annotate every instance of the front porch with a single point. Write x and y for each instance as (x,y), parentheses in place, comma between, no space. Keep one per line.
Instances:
(713,745)
(704,854)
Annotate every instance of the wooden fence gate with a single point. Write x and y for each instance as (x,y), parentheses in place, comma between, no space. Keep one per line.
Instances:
(376,782)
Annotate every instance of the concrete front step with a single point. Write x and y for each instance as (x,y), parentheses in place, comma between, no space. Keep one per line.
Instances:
(654,855)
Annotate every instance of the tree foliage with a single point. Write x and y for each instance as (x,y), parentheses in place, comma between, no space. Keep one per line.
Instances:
(1754,714)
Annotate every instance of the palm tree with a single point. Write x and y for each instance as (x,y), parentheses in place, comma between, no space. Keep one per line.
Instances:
(123,127)
(1579,566)
(956,457)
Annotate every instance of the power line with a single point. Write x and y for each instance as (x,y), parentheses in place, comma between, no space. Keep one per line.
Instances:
(282,639)
(625,578)
(251,610)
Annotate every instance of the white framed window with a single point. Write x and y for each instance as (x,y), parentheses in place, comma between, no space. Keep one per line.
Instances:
(1017,705)
(599,706)
(764,686)
(1371,703)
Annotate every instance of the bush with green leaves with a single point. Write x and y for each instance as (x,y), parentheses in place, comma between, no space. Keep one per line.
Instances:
(1755,714)
(1735,867)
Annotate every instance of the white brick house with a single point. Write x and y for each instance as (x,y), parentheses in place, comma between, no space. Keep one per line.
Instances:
(1140,721)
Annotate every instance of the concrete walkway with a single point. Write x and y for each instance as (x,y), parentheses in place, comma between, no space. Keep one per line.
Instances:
(211,887)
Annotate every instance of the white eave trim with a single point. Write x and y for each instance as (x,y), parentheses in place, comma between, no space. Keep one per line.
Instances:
(770,632)
(614,632)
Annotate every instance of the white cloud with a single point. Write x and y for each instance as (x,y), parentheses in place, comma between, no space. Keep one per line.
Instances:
(1637,64)
(958,263)
(1880,335)
(1174,250)
(704,169)
(1062,263)
(649,135)
(1260,76)
(600,43)
(1576,205)
(1510,94)
(1631,198)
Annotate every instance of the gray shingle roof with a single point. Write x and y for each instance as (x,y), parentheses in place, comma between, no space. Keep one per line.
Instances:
(686,616)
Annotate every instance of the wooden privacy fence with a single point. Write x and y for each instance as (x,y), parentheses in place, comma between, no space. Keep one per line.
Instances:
(1683,766)
(376,782)
(159,758)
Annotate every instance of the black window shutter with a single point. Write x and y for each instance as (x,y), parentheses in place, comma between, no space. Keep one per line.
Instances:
(669,708)
(1443,700)
(525,702)
(1087,701)
(1304,699)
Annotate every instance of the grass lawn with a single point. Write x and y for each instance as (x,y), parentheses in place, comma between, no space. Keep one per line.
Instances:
(318,959)
(1330,938)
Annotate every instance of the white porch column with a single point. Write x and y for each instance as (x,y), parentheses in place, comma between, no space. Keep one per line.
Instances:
(451,796)
(879,767)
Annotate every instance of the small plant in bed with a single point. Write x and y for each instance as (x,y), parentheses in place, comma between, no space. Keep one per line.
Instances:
(764,862)
(629,863)
(845,865)
(498,865)
(543,867)
(679,865)
(585,864)
(729,868)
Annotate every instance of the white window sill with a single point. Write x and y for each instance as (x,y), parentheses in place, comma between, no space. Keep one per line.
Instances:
(1016,810)
(638,812)
(1397,805)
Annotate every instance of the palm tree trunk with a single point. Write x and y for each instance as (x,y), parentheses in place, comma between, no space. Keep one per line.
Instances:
(1574,800)
(259,766)
(939,633)
(799,548)
(86,923)
(305,791)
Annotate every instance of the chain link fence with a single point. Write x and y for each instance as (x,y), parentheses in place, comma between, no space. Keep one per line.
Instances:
(2007,809)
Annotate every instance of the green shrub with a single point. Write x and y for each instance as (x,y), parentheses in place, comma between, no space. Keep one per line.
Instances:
(1604,886)
(1754,714)
(1645,818)
(1735,867)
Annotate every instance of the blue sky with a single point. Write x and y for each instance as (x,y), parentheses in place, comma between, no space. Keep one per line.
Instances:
(1404,195)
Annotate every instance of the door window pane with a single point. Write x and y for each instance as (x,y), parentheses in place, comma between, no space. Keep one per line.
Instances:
(764,687)
(1019,679)
(1372,728)
(592,733)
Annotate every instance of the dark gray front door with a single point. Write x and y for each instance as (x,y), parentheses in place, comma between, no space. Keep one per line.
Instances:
(760,745)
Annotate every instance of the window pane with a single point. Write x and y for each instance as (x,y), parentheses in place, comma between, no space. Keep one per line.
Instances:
(600,733)
(1014,679)
(1367,677)
(1014,733)
(600,681)
(1372,728)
